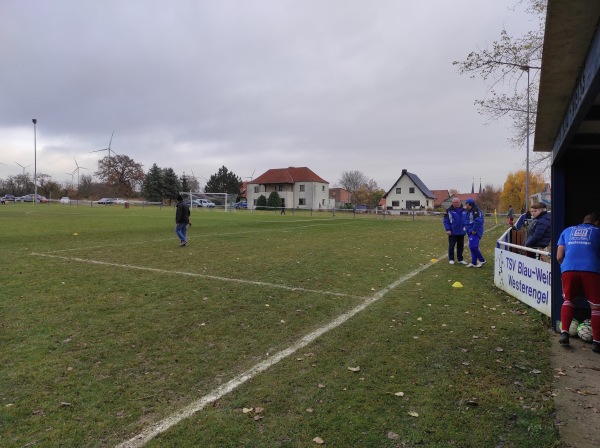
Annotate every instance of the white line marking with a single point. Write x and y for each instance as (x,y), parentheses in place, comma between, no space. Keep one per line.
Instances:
(193,274)
(154,430)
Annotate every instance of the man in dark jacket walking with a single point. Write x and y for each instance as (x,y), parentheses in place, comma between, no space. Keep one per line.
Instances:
(540,229)
(182,220)
(454,223)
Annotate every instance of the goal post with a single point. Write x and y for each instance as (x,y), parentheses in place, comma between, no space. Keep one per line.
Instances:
(224,201)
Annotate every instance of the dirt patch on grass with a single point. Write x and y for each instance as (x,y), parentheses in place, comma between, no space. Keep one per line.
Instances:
(577,389)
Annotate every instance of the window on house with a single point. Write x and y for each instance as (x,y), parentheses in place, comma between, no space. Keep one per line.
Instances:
(279,187)
(411,190)
(302,201)
(256,189)
(395,203)
(302,188)
(323,188)
(398,190)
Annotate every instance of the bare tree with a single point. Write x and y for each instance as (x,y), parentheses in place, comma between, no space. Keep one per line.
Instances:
(506,66)
(122,173)
(361,188)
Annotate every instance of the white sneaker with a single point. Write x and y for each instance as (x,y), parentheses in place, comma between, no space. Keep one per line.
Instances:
(463,262)
(471,265)
(451,262)
(481,263)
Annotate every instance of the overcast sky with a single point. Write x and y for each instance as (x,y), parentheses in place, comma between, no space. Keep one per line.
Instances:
(334,85)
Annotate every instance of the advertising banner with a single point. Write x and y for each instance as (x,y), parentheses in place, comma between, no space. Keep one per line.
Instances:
(524,278)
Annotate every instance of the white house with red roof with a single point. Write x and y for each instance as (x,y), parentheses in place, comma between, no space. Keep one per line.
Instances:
(297,188)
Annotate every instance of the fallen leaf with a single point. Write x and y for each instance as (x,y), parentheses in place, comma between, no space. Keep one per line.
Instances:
(258,410)
(309,410)
(499,349)
(258,417)
(585,392)
(536,371)
(392,435)
(413,414)
(247,410)
(354,369)
(318,440)
(399,394)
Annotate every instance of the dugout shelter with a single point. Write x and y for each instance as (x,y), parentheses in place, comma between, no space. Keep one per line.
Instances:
(568,117)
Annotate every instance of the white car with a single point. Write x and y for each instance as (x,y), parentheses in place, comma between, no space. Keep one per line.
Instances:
(65,200)
(204,203)
(119,201)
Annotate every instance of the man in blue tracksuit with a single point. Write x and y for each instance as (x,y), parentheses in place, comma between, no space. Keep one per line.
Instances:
(474,227)
(454,223)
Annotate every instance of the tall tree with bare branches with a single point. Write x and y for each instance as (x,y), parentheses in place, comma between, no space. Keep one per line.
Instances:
(504,66)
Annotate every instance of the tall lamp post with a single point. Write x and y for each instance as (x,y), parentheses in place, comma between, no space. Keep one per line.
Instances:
(526,68)
(34,161)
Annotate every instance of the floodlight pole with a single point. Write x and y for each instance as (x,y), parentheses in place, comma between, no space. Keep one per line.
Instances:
(526,69)
(34,120)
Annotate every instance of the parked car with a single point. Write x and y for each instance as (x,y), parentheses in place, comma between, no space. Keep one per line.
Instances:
(30,198)
(241,204)
(199,203)
(119,201)
(106,201)
(7,198)
(206,203)
(65,200)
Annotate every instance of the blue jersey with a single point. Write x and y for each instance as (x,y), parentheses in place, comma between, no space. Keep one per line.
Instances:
(582,248)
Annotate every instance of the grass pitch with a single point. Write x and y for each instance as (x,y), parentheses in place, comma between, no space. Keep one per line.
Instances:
(107,327)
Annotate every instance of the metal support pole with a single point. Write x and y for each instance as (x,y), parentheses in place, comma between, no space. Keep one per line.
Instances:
(34,161)
(527,159)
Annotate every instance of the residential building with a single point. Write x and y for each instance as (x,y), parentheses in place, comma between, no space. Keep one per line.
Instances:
(297,188)
(440,196)
(408,193)
(340,196)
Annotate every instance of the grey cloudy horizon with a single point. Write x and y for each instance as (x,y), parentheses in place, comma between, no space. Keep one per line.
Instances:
(252,85)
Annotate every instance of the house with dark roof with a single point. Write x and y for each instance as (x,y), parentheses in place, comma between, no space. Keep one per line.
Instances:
(297,188)
(409,192)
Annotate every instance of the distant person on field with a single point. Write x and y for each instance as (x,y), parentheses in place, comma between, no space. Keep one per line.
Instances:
(474,227)
(454,223)
(283,207)
(182,220)
(578,252)
(511,216)
(539,234)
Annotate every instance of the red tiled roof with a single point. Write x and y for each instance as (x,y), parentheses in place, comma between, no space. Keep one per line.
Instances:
(464,196)
(440,196)
(289,175)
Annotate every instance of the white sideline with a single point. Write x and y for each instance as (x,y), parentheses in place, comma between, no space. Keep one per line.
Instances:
(193,274)
(154,430)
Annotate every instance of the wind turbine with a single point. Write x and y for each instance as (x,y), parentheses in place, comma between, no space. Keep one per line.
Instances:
(78,169)
(251,177)
(109,148)
(72,177)
(23,166)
